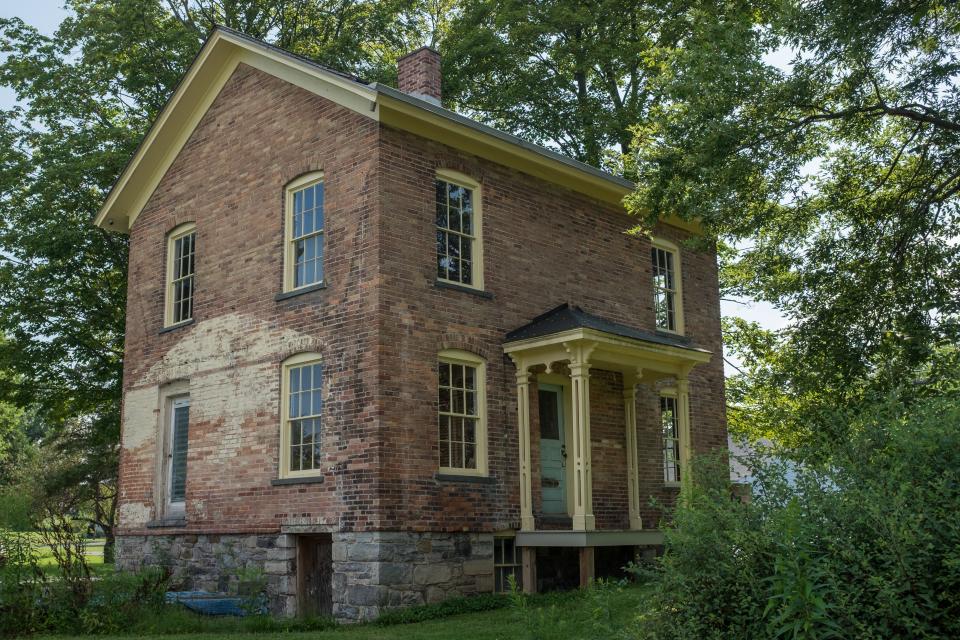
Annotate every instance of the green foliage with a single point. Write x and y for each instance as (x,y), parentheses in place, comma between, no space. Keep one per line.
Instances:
(866,545)
(834,175)
(443,609)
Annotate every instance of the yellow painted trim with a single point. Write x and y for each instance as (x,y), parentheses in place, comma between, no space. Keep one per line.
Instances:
(306,180)
(430,125)
(214,65)
(297,360)
(175,234)
(458,356)
(671,392)
(463,180)
(666,245)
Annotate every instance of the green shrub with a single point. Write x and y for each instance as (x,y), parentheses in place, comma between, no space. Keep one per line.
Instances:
(864,543)
(22,585)
(450,607)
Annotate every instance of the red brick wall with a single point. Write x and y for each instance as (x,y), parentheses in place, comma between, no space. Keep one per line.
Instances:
(543,245)
(259,134)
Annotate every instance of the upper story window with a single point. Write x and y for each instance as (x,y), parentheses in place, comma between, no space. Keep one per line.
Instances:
(181,254)
(303,253)
(667,295)
(462,413)
(302,415)
(671,439)
(459,245)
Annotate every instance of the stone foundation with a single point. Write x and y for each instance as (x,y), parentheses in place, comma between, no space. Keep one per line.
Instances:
(372,571)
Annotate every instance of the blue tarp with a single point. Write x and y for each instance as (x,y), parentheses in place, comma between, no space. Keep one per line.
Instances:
(212,604)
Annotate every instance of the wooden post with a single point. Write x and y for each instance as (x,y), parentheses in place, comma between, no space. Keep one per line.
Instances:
(583,519)
(523,438)
(587,568)
(529,575)
(633,471)
(683,422)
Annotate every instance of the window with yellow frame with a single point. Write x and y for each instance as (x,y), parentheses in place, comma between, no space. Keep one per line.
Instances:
(667,286)
(459,239)
(301,416)
(181,274)
(462,413)
(304,232)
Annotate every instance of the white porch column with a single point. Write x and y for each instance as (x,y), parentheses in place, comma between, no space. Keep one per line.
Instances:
(523,437)
(582,468)
(683,420)
(633,471)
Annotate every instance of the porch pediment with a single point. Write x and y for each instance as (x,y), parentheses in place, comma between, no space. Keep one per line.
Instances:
(568,333)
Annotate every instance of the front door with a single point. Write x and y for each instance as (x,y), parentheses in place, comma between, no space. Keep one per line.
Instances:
(553,453)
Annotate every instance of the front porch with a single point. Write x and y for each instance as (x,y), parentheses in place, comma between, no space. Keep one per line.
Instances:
(554,356)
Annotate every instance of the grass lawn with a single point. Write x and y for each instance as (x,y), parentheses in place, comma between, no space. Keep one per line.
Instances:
(93,553)
(597,613)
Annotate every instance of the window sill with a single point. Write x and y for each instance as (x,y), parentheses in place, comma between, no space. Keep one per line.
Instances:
(280,482)
(456,477)
(440,284)
(172,522)
(174,327)
(296,292)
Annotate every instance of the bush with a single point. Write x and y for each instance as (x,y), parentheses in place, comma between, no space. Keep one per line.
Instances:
(449,607)
(863,544)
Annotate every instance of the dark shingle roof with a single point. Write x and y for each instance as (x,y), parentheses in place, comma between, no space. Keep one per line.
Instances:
(567,317)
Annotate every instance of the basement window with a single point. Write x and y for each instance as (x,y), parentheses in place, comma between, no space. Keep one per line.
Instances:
(506,563)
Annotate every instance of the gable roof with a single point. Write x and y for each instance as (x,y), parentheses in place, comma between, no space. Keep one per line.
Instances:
(567,317)
(226,48)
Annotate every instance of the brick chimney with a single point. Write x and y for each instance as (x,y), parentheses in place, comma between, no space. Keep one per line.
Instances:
(418,73)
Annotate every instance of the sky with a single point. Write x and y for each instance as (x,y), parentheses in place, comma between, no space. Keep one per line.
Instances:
(47,14)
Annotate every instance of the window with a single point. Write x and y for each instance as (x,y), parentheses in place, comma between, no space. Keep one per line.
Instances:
(302,415)
(462,413)
(181,253)
(506,563)
(459,249)
(177,451)
(667,296)
(671,439)
(303,254)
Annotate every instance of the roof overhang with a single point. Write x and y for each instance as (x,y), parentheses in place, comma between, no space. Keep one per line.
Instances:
(608,351)
(225,49)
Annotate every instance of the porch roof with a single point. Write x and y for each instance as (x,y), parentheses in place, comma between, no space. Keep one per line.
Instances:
(554,334)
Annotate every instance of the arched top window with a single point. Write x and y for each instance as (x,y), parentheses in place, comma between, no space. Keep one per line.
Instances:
(459,230)
(667,285)
(304,232)
(301,415)
(181,274)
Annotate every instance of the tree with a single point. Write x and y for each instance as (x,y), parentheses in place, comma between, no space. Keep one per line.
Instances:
(837,177)
(575,75)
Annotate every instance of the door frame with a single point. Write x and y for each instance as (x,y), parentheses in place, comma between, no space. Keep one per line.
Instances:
(563,382)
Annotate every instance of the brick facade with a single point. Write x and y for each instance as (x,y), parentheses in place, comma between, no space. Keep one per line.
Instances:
(378,325)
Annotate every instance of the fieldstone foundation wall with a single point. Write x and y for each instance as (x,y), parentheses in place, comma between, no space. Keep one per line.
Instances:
(385,569)
(372,571)
(219,563)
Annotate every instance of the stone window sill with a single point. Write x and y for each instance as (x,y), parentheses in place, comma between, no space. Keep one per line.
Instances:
(171,522)
(174,327)
(280,482)
(440,284)
(299,292)
(453,477)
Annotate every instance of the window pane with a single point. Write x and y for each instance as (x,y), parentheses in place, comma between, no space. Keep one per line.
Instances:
(178,453)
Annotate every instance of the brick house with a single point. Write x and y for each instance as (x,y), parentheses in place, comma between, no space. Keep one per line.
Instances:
(385,354)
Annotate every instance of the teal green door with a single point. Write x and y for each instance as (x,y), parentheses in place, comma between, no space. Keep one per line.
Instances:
(552,450)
